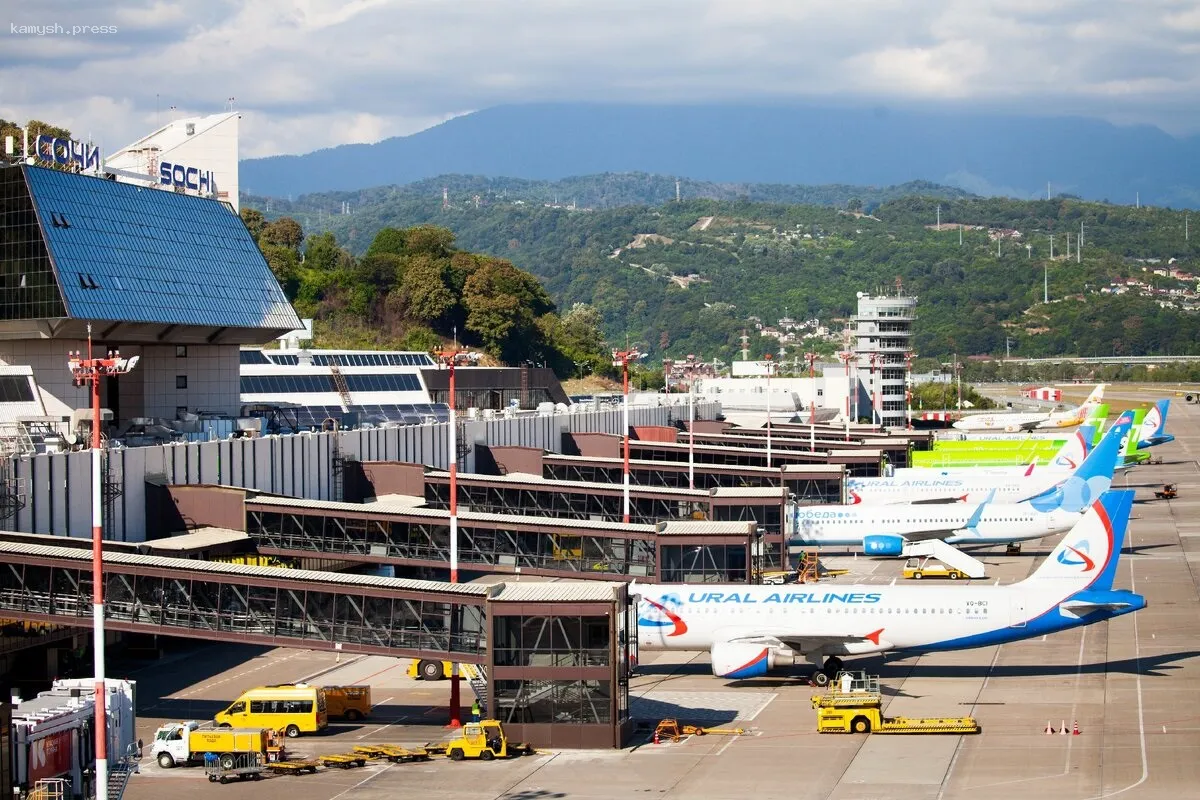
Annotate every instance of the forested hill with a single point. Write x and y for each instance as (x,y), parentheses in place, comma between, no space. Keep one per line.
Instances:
(685,277)
(597,192)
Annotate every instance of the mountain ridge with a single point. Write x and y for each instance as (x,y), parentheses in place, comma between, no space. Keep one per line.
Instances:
(982,153)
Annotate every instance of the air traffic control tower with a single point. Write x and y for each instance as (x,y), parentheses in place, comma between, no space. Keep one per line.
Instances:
(883,342)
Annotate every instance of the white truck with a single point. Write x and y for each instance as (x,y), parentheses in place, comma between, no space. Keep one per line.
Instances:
(182,743)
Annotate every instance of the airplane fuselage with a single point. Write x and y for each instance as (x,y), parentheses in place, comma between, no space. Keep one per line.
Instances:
(997,524)
(884,617)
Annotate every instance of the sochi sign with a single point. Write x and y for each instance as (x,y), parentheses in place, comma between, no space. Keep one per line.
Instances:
(180,176)
(64,152)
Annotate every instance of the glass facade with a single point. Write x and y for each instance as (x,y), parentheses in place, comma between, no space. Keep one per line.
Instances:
(15,389)
(552,701)
(541,641)
(28,288)
(709,563)
(121,252)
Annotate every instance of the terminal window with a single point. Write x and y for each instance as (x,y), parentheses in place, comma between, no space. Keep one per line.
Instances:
(181,351)
(181,381)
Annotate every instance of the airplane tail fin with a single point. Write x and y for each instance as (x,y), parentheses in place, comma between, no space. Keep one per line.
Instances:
(1088,553)
(1074,449)
(1093,477)
(1154,425)
(1097,418)
(1094,399)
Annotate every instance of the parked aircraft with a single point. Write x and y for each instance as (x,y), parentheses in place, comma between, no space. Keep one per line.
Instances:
(750,629)
(1017,421)
(1154,426)
(1079,487)
(1070,455)
(884,530)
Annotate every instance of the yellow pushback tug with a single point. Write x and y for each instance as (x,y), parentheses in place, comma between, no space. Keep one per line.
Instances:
(853,705)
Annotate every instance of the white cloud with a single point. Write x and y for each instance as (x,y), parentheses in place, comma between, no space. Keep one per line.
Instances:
(315,73)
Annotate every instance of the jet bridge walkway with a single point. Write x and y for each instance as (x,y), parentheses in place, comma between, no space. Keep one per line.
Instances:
(256,605)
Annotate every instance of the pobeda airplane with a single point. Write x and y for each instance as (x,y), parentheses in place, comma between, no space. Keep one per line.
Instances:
(1046,489)
(751,629)
(1017,421)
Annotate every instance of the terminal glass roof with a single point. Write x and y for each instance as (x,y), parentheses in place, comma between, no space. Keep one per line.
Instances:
(127,253)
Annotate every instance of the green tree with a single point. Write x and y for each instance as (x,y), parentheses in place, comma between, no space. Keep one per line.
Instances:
(425,297)
(429,240)
(390,241)
(254,221)
(285,232)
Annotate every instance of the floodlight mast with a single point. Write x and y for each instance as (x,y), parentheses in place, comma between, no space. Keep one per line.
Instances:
(89,371)
(451,358)
(621,358)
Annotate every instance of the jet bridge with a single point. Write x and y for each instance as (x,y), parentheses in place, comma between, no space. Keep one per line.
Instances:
(948,554)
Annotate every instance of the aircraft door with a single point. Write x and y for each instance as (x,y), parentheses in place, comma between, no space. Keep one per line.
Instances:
(1016,610)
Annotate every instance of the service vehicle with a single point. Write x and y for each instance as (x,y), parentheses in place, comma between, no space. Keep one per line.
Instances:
(855,706)
(293,708)
(183,743)
(427,670)
(347,702)
(484,739)
(930,567)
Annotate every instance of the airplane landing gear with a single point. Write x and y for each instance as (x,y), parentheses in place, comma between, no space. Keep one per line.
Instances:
(822,677)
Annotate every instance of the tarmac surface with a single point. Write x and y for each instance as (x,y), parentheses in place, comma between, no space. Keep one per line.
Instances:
(1132,685)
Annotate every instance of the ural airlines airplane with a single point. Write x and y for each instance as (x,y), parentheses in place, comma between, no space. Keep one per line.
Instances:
(1045,489)
(1022,421)
(750,629)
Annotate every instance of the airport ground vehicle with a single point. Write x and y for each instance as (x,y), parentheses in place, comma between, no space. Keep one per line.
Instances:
(292,708)
(854,706)
(347,702)
(430,670)
(484,739)
(930,567)
(1168,492)
(182,743)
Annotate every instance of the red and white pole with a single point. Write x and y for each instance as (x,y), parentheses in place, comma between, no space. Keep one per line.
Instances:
(625,476)
(101,719)
(455,677)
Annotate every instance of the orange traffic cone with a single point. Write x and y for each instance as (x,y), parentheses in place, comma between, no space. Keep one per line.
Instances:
(1076,729)
(656,741)
(1063,730)
(1049,728)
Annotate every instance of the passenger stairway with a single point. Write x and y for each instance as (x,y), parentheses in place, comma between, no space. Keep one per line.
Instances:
(120,773)
(948,555)
(477,677)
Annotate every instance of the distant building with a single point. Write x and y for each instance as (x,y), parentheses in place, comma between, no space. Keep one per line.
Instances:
(882,341)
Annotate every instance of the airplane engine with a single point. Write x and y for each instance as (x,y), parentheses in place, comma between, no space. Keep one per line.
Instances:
(883,544)
(735,660)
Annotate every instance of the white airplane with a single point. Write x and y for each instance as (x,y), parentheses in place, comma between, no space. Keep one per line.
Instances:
(1045,489)
(1021,421)
(750,629)
(1072,453)
(884,530)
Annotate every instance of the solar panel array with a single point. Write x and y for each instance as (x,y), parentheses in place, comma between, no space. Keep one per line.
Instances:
(403,414)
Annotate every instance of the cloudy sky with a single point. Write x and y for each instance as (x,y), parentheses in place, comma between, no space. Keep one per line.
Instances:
(314,73)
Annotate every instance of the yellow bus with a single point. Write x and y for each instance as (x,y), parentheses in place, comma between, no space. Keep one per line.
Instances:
(291,708)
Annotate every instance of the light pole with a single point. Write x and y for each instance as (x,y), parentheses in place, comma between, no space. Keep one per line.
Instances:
(811,358)
(846,356)
(89,371)
(874,394)
(621,358)
(450,358)
(770,368)
(692,433)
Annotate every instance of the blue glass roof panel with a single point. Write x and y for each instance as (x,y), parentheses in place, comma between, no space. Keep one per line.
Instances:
(128,253)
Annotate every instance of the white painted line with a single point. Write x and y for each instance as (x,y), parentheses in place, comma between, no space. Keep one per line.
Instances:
(381,702)
(725,746)
(364,780)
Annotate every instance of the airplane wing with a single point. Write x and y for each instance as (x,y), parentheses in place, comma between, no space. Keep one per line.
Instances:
(801,643)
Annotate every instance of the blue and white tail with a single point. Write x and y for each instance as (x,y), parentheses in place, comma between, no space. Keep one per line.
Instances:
(1092,478)
(1074,449)
(1154,427)
(1086,558)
